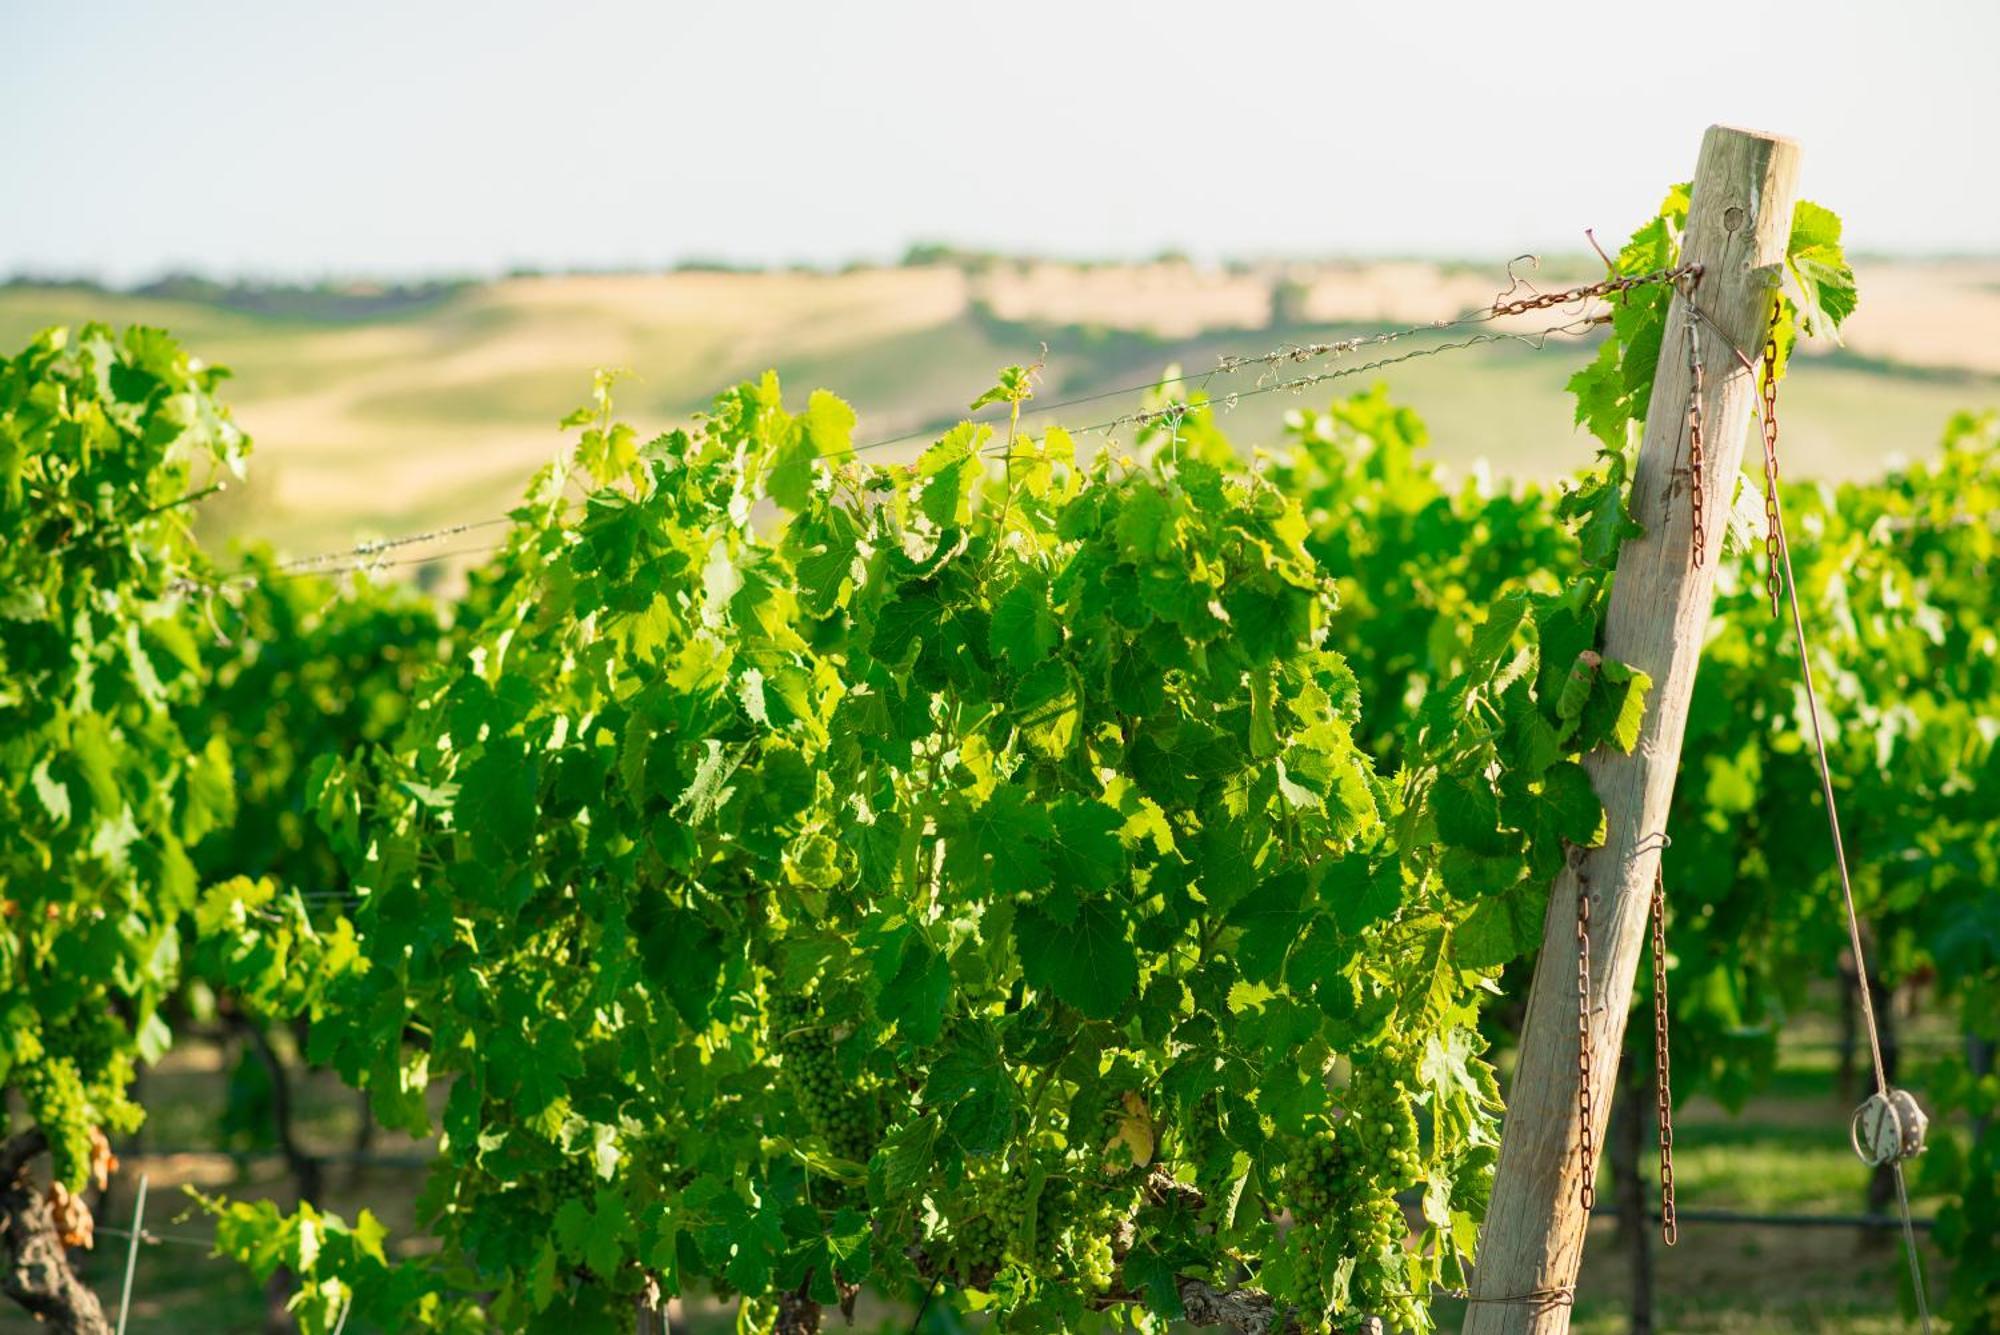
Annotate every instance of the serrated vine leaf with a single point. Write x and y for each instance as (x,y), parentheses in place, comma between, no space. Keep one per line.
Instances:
(1087,961)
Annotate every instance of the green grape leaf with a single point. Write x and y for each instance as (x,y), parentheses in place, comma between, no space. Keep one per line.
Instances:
(496,801)
(683,954)
(969,1078)
(1086,854)
(708,790)
(1271,917)
(823,544)
(908,1156)
(1047,705)
(1010,834)
(1468,815)
(1474,876)
(1492,638)
(948,469)
(1227,861)
(1144,526)
(1361,896)
(1024,629)
(1562,807)
(1087,962)
(916,997)
(1156,1276)
(1501,928)
(829,424)
(1614,708)
(1823,280)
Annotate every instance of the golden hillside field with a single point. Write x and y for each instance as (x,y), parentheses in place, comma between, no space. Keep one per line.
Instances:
(438,412)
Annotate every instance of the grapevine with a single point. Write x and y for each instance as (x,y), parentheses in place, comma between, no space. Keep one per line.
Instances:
(101,439)
(966,773)
(1067,883)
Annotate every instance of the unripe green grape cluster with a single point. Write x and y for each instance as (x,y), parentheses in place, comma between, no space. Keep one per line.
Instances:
(1095,1264)
(1094,1212)
(982,1221)
(1381,1122)
(91,1042)
(95,1044)
(845,1113)
(1073,1235)
(1319,1177)
(53,1091)
(574,1178)
(1055,1211)
(1342,1186)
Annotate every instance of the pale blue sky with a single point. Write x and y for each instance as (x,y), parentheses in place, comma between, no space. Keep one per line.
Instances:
(281,139)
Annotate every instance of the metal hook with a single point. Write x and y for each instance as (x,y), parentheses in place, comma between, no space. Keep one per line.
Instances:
(1515,282)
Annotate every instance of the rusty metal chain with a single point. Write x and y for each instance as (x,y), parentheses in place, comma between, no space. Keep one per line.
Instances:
(1602,288)
(1587,1134)
(1663,1084)
(1697,461)
(1773,585)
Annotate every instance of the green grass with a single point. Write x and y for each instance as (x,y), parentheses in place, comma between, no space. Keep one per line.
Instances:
(1786,1152)
(1761,1167)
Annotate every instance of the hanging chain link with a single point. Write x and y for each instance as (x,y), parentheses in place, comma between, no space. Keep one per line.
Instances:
(1603,288)
(1587,1142)
(1664,1098)
(1697,462)
(1663,1084)
(1769,421)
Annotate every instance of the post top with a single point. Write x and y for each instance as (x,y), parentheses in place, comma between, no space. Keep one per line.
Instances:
(1748,133)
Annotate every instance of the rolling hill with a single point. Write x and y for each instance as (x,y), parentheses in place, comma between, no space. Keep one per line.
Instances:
(376,417)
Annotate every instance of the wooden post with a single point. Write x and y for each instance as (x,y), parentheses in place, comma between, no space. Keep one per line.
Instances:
(651,1311)
(1738,223)
(1629,1126)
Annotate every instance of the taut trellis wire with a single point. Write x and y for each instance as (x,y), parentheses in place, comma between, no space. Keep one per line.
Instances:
(367,555)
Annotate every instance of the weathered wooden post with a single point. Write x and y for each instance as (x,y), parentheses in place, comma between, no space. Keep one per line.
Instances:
(1739,220)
